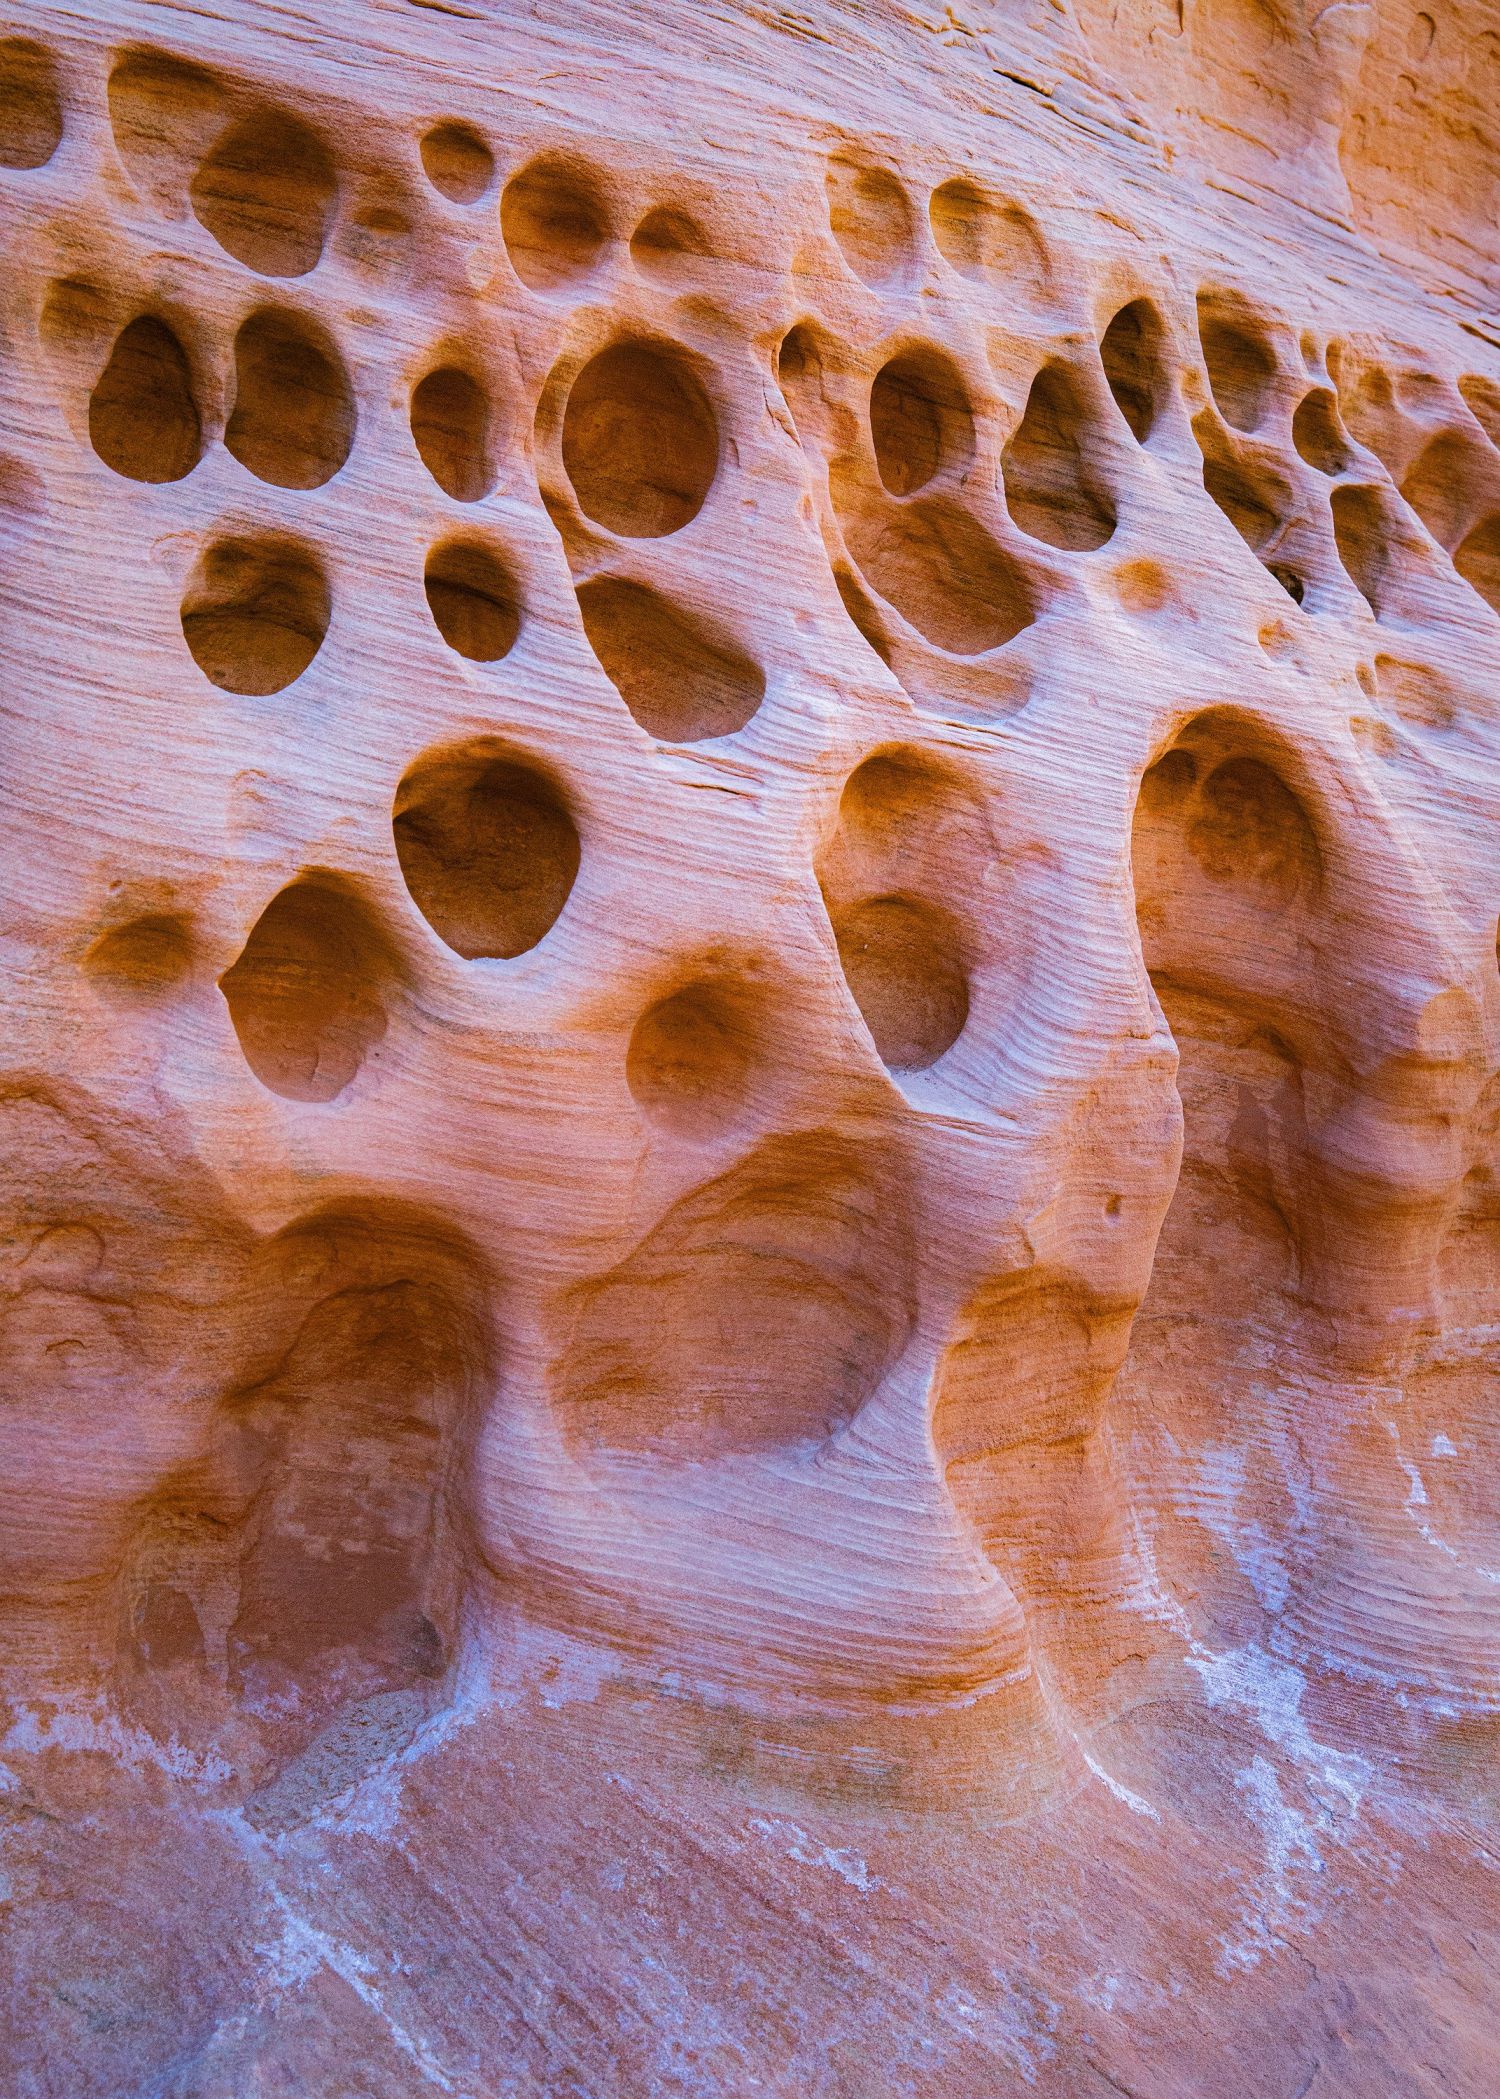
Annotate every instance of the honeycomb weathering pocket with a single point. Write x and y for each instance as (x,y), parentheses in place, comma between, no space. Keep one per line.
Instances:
(488,849)
(748,1172)
(640,440)
(759,1313)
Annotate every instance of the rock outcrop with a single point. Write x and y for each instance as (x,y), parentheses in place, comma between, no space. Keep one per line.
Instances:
(751,1143)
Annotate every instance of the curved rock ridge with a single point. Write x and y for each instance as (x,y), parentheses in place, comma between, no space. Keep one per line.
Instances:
(750,1188)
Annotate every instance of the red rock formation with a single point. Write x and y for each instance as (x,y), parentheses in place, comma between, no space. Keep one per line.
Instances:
(751,1256)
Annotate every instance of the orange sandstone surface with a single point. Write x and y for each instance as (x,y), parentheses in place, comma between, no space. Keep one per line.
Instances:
(750,1271)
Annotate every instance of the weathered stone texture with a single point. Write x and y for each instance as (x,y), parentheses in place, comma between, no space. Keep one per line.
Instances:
(750,1274)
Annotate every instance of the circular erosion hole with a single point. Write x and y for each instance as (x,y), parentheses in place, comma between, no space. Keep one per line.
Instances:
(690,1059)
(640,441)
(667,243)
(450,425)
(487,848)
(554,223)
(293,418)
(266,194)
(307,996)
(256,614)
(143,420)
(920,421)
(1251,828)
(958,211)
(901,961)
(473,600)
(457,162)
(982,237)
(1052,490)
(1142,586)
(1168,781)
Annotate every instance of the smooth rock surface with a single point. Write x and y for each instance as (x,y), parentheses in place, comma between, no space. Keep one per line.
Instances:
(750,1278)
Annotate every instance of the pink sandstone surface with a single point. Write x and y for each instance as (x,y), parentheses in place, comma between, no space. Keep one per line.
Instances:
(750,1271)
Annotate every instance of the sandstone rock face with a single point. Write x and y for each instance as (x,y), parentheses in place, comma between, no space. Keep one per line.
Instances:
(751,1265)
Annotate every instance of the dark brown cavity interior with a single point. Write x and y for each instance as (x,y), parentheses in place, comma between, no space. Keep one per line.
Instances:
(143,418)
(473,599)
(681,678)
(640,440)
(488,849)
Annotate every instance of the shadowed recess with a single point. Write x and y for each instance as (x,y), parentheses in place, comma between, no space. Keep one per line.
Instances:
(31,122)
(1362,534)
(911,847)
(1368,409)
(308,994)
(682,679)
(1317,434)
(344,1545)
(1257,500)
(1132,354)
(987,240)
(921,424)
(450,426)
(322,1531)
(266,193)
(759,1313)
(1222,819)
(895,805)
(143,958)
(1251,828)
(667,243)
(871,219)
(293,417)
(1051,490)
(1477,560)
(1483,398)
(143,419)
(554,223)
(1253,500)
(1227,866)
(692,1057)
(819,418)
(1241,364)
(473,599)
(942,572)
(860,607)
(958,212)
(900,957)
(487,847)
(1439,484)
(457,162)
(164,114)
(256,613)
(640,441)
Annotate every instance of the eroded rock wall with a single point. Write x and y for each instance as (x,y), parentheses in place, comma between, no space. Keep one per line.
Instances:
(750,1034)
